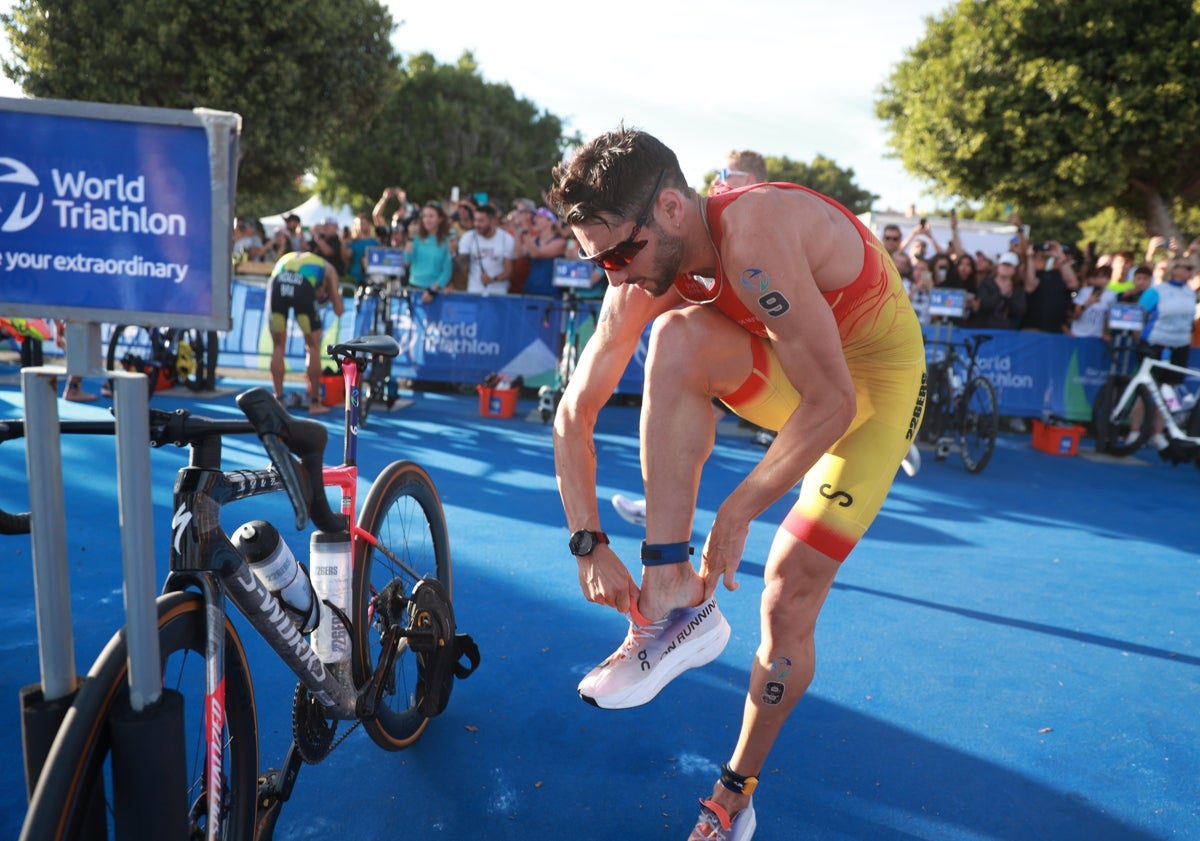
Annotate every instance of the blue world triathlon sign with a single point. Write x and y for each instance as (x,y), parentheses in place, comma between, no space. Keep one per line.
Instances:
(114,213)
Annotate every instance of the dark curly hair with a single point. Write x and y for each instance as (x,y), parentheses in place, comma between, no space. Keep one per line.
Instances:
(611,177)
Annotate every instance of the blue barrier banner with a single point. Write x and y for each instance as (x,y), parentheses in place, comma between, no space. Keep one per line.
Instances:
(114,213)
(463,338)
(1036,373)
(456,338)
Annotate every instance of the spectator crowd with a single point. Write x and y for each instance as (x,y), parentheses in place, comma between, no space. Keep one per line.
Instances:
(1049,287)
(470,244)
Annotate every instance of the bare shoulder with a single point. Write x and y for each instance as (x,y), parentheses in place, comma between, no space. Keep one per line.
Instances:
(793,228)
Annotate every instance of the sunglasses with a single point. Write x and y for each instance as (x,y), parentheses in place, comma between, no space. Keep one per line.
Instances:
(724,173)
(621,255)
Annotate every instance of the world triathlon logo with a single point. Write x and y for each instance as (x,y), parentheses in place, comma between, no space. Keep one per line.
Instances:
(18,190)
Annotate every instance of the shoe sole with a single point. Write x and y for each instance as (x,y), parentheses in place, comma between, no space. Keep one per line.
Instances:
(626,515)
(703,654)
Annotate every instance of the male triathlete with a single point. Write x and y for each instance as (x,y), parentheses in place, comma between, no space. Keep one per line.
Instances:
(299,282)
(806,330)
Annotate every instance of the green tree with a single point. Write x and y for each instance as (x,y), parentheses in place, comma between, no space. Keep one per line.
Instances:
(1059,107)
(822,175)
(441,126)
(297,73)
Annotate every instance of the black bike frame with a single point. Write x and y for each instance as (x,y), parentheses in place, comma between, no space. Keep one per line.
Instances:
(202,555)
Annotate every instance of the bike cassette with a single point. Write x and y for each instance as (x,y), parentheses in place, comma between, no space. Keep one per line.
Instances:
(311,731)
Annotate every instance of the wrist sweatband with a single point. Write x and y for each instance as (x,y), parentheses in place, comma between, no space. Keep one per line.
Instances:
(657,554)
(736,782)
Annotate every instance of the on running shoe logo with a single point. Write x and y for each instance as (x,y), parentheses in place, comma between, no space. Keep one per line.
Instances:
(687,629)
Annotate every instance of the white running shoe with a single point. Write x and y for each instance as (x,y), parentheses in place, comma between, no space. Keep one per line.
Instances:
(912,462)
(714,823)
(1159,441)
(652,655)
(631,510)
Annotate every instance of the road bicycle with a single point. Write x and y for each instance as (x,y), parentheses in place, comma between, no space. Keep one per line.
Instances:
(400,651)
(167,355)
(570,343)
(1124,400)
(373,301)
(960,404)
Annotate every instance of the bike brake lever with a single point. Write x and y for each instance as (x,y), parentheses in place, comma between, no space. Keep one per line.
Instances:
(283,436)
(271,423)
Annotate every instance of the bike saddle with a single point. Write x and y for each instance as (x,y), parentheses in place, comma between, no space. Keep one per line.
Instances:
(372,344)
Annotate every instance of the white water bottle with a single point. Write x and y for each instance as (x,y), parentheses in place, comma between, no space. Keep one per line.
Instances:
(273,564)
(329,556)
(1169,395)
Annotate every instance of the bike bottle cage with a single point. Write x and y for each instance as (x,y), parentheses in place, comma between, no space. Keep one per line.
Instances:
(283,435)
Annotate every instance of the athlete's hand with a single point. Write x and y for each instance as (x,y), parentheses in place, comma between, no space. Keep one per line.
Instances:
(722,553)
(605,580)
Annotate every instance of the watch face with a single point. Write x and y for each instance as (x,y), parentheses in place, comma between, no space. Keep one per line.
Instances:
(582,543)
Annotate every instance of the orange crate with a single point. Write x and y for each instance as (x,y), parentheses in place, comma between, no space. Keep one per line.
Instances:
(1056,440)
(333,390)
(497,402)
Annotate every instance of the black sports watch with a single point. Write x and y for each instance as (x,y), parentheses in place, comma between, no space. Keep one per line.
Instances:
(584,541)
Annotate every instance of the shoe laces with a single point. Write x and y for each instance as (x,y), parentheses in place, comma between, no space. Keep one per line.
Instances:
(708,827)
(639,634)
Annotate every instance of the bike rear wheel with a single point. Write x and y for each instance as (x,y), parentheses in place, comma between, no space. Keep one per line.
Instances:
(140,350)
(374,387)
(1193,430)
(938,396)
(1113,422)
(80,761)
(403,513)
(195,358)
(979,422)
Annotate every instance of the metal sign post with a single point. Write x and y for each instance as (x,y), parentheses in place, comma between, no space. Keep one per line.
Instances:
(131,227)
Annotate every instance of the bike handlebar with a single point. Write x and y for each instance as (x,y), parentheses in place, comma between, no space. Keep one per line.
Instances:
(284,437)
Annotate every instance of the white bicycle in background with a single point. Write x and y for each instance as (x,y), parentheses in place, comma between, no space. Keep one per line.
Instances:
(1125,409)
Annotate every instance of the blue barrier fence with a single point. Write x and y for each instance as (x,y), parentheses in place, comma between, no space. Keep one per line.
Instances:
(463,338)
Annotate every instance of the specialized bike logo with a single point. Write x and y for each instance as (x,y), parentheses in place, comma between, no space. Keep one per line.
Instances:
(15,213)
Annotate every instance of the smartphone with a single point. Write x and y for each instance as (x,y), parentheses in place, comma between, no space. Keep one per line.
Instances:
(453,195)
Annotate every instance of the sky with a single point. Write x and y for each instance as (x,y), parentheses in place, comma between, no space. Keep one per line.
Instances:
(793,78)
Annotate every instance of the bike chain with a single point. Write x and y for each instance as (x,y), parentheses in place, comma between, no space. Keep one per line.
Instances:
(311,731)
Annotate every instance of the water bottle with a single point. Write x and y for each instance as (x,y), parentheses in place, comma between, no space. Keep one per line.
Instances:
(1171,398)
(329,554)
(277,569)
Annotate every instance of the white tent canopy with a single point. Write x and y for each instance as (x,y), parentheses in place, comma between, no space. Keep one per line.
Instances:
(310,213)
(992,238)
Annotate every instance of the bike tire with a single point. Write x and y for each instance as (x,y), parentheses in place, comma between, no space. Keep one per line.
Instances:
(934,421)
(1193,430)
(978,424)
(403,512)
(80,759)
(192,363)
(1112,422)
(131,348)
(374,387)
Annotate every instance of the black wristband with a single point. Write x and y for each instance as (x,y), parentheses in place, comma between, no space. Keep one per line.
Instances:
(657,554)
(736,783)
